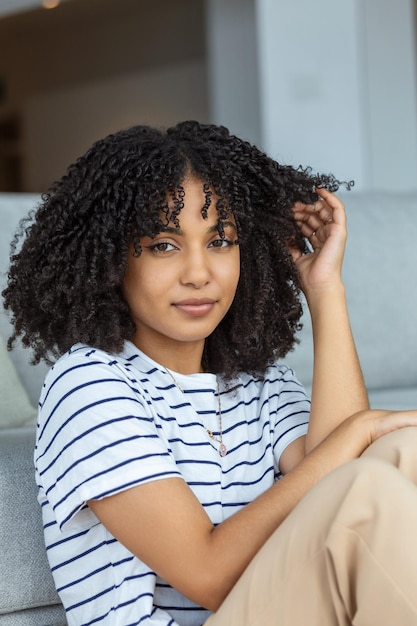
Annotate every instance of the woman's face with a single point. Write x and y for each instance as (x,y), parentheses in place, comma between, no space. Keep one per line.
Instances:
(182,285)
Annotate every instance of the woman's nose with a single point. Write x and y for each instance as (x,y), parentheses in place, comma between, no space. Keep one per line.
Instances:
(196,270)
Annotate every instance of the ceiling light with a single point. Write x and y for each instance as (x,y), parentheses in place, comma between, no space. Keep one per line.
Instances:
(50,4)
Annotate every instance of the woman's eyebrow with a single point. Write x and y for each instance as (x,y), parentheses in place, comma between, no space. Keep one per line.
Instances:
(171,229)
(215,227)
(212,229)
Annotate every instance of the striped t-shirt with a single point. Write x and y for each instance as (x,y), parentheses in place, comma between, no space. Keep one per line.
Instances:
(111,422)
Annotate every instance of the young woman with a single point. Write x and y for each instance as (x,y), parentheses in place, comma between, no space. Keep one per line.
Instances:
(183,477)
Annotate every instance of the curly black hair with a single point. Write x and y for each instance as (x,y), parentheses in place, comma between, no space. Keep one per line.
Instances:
(64,283)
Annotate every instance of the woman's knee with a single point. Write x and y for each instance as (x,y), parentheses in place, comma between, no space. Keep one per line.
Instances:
(398,448)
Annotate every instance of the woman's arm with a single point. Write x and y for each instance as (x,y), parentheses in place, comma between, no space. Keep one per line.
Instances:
(164,525)
(338,387)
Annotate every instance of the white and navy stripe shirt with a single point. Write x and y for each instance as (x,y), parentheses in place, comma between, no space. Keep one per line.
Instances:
(111,422)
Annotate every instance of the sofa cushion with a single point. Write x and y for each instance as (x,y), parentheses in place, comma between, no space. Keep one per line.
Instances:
(380,269)
(27,580)
(393,399)
(15,408)
(42,616)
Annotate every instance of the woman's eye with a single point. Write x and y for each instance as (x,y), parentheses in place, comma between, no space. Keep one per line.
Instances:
(221,243)
(162,246)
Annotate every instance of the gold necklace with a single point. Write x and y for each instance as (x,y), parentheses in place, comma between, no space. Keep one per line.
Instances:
(222,448)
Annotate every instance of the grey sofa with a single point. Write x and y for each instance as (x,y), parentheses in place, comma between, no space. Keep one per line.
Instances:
(380,270)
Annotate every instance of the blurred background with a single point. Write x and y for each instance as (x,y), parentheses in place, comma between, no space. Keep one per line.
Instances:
(329,83)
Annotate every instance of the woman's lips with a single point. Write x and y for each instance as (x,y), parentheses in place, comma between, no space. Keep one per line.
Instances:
(195,307)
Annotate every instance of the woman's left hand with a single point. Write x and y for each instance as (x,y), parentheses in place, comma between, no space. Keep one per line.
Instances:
(324,225)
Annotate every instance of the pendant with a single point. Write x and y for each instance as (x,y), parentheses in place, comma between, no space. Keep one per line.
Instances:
(222,450)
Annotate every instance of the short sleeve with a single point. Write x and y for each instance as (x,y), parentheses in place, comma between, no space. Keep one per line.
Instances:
(96,437)
(292,410)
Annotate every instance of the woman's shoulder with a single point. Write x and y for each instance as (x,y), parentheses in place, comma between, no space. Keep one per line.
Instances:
(276,372)
(94,384)
(83,364)
(81,354)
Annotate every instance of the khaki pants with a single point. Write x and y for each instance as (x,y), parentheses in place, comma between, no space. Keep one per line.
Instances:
(347,554)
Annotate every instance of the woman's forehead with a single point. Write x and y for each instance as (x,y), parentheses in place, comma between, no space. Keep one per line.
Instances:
(195,193)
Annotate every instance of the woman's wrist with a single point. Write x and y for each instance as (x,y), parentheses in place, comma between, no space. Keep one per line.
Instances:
(326,296)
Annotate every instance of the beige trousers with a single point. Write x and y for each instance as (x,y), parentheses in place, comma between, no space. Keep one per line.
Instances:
(346,555)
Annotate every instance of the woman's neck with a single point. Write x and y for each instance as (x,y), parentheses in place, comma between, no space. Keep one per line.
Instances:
(183,357)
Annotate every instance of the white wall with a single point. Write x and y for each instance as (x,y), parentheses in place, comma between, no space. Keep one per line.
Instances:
(61,125)
(391,92)
(309,62)
(336,84)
